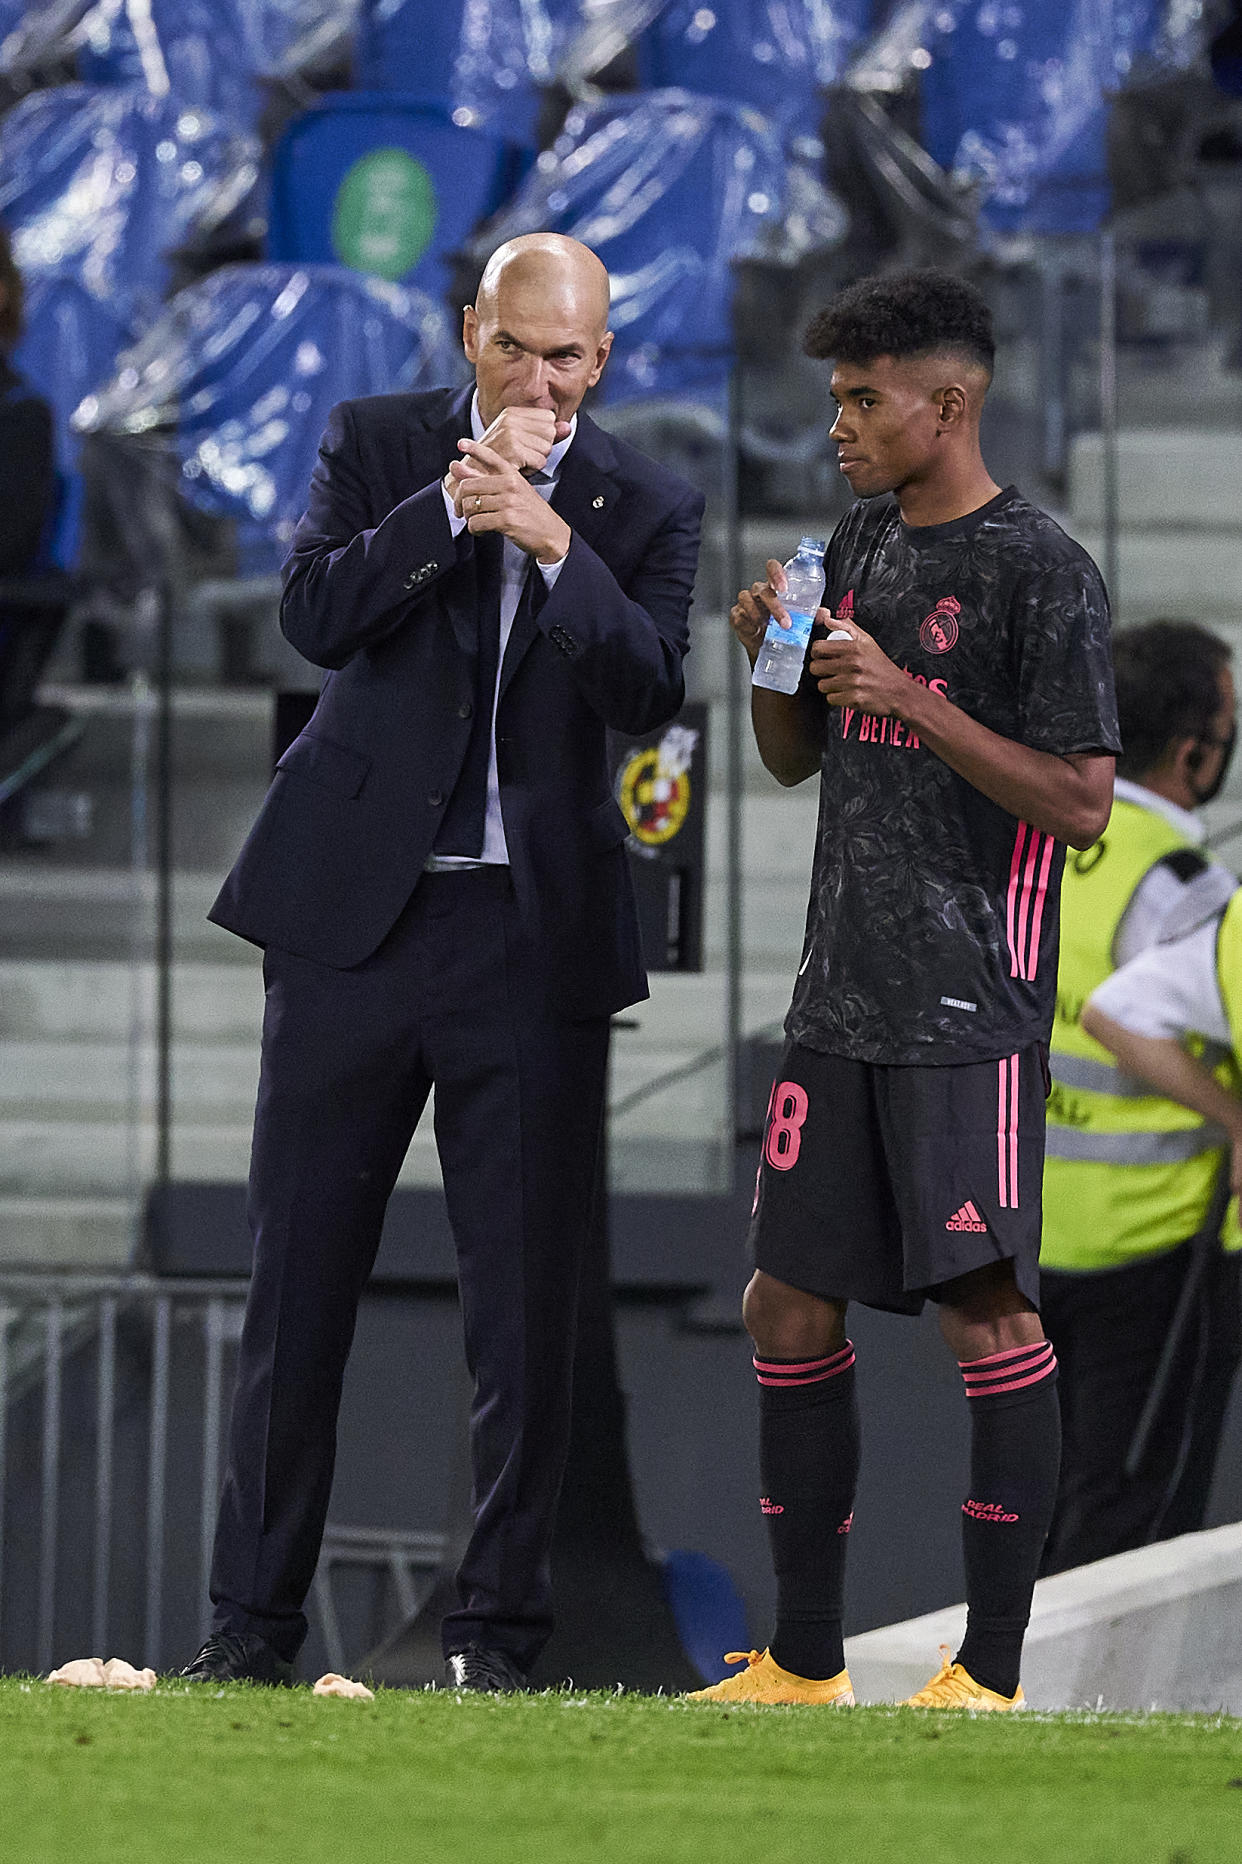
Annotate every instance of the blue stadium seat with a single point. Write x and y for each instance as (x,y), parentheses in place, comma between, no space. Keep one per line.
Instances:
(210,53)
(669,189)
(240,372)
(1018,99)
(103,185)
(68,348)
(775,54)
(707,1610)
(484,64)
(385,184)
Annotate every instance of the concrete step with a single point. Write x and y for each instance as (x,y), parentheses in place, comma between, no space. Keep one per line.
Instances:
(54,908)
(93,1081)
(67,1232)
(1174,571)
(62,1003)
(103,999)
(1171,478)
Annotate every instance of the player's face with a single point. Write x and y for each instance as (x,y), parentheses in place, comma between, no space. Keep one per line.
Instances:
(535,345)
(886,426)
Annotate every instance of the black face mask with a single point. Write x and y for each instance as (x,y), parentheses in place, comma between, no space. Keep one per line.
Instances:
(1225,747)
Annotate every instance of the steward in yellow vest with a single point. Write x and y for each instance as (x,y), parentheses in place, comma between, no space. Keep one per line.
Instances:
(1130,1172)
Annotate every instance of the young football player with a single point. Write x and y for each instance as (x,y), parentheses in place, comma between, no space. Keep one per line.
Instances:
(963,732)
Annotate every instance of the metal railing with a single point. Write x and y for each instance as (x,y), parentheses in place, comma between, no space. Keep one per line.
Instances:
(54,1328)
(113,1407)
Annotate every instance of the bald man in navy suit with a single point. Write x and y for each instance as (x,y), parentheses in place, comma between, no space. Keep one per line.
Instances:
(439,881)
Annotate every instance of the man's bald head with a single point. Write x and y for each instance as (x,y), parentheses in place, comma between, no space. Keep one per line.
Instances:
(537,332)
(550,265)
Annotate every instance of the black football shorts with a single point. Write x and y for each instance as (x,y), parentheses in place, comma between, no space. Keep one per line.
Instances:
(880,1184)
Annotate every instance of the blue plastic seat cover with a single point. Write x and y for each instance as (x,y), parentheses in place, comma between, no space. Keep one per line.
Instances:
(775,54)
(103,185)
(212,53)
(669,189)
(484,63)
(1016,99)
(240,373)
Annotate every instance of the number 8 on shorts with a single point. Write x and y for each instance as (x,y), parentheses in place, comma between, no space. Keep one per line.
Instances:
(787,1110)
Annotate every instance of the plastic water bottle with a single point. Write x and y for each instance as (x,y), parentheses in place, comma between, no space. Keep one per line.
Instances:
(779,666)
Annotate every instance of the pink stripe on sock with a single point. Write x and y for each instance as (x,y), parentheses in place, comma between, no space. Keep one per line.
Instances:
(1024,1366)
(1010,1352)
(781,1371)
(1016,1385)
(975,1377)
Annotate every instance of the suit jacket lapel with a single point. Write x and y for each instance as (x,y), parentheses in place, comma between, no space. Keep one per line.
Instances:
(585,496)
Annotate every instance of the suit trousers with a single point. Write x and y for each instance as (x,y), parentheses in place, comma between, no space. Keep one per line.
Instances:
(453,998)
(1109,1330)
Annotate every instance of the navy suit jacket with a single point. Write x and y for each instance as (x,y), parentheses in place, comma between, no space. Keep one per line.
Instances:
(379,592)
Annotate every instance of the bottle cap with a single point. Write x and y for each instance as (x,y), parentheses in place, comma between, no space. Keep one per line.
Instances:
(817,544)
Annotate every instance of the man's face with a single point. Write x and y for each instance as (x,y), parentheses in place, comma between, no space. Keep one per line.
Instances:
(535,344)
(886,425)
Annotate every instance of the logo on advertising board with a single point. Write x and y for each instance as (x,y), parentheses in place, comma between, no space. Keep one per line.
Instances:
(654,787)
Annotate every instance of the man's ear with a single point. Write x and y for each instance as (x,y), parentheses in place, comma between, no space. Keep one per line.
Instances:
(1180,762)
(470,333)
(952,405)
(601,357)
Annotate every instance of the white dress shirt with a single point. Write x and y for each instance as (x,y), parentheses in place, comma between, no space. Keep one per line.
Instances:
(1159,890)
(1170,987)
(515,565)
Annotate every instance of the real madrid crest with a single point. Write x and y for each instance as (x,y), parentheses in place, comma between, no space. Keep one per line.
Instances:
(939,631)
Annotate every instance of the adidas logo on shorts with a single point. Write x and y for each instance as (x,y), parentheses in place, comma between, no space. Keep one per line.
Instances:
(967,1218)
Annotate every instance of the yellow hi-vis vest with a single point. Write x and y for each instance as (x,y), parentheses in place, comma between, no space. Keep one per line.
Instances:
(1128,1173)
(1229,968)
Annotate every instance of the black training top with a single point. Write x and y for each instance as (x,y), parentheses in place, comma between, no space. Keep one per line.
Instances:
(932,926)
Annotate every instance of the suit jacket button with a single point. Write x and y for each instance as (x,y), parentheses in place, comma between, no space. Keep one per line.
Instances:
(465,709)
(436,798)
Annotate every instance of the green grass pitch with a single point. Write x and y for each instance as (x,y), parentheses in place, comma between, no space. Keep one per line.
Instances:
(244,1776)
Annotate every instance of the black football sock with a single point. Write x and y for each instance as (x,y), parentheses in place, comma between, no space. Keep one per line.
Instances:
(1015,1457)
(808,1464)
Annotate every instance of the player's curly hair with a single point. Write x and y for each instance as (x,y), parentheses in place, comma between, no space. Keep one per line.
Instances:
(903,314)
(1168,687)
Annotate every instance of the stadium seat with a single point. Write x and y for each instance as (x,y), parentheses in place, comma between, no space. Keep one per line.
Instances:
(778,55)
(178,46)
(69,346)
(237,378)
(483,65)
(669,189)
(707,1610)
(386,185)
(104,185)
(1017,99)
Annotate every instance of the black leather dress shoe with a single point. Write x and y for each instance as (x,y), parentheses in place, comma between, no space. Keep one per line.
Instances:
(491,1672)
(238,1657)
